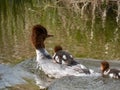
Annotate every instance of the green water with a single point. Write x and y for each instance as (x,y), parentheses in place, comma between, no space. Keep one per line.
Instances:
(83,37)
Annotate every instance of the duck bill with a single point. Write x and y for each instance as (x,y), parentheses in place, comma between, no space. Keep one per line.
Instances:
(49,36)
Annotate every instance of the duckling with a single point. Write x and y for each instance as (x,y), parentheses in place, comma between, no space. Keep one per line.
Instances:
(62,57)
(106,71)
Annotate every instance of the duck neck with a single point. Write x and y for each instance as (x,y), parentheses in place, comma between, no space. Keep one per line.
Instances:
(42,54)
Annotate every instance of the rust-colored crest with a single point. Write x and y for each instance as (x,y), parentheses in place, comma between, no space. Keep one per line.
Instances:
(57,48)
(105,65)
(39,34)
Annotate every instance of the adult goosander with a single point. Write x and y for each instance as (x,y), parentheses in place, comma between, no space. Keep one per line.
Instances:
(106,71)
(45,61)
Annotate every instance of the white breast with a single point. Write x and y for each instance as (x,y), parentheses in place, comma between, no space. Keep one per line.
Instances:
(57,70)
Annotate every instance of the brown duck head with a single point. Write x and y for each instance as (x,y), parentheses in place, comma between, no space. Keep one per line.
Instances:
(39,34)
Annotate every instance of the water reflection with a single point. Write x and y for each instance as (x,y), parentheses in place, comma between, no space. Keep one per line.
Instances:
(84,37)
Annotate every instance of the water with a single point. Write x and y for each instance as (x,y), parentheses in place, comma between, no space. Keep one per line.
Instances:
(85,34)
(25,72)
(94,82)
(87,37)
(85,83)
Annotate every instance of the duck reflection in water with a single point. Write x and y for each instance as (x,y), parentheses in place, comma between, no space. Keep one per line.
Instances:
(107,72)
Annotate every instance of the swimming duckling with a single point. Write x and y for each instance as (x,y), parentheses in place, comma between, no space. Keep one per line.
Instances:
(106,71)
